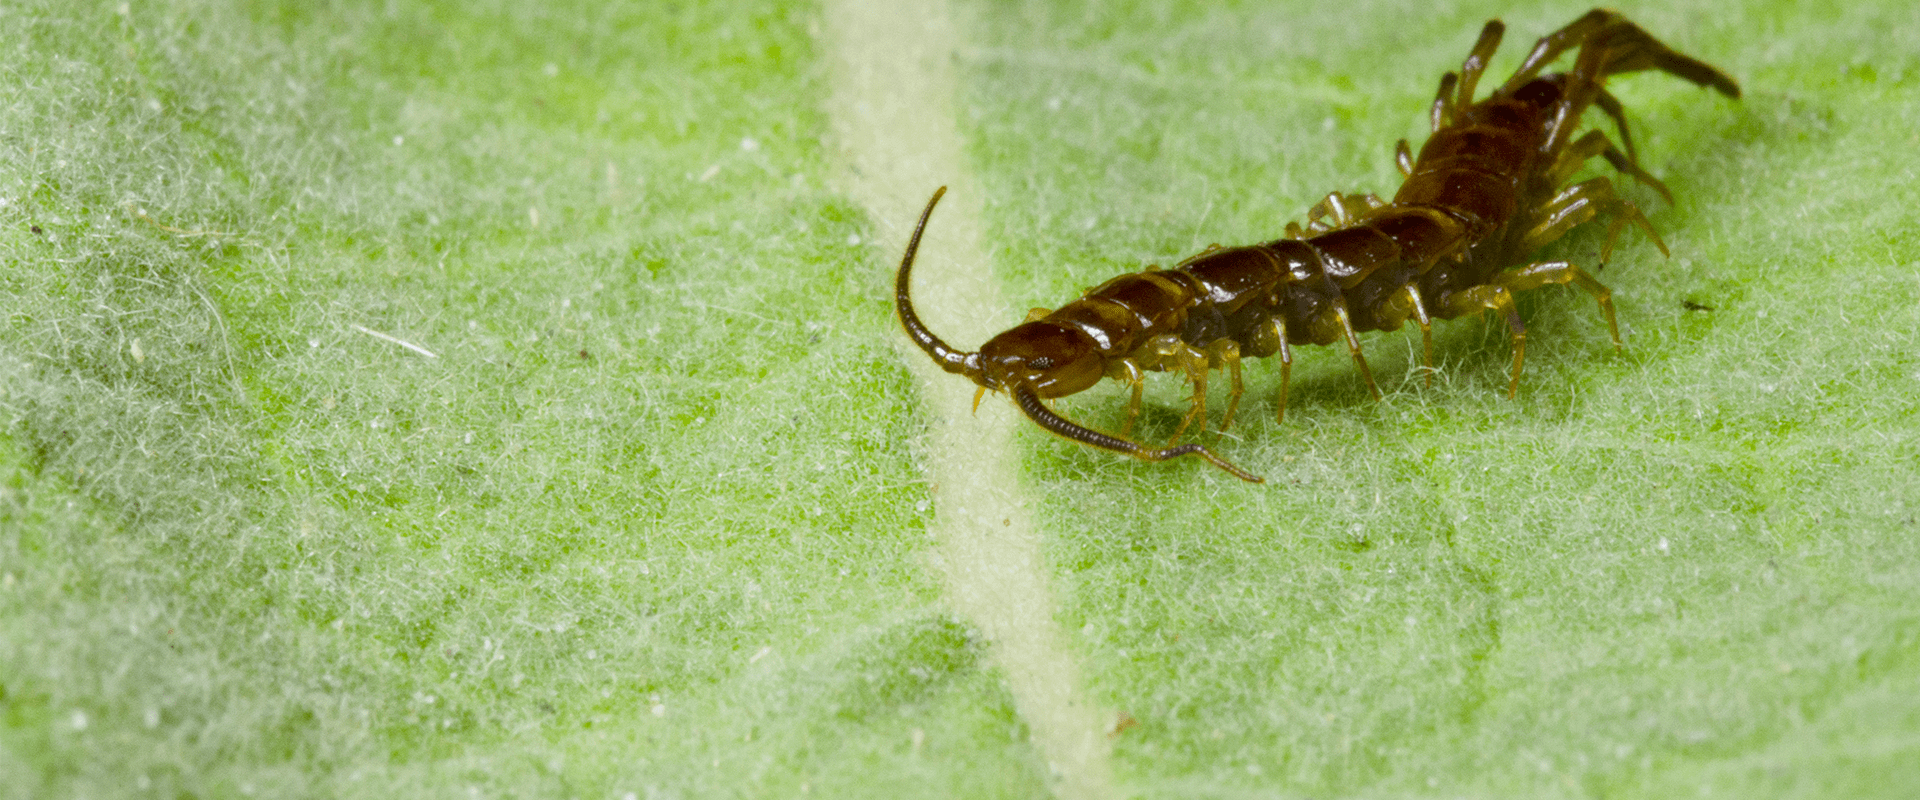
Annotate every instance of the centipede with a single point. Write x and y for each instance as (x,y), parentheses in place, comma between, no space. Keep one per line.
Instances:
(1492,185)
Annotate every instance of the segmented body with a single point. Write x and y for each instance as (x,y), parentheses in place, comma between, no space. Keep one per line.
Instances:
(1489,188)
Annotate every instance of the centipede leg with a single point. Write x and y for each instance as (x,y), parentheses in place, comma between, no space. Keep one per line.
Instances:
(1476,62)
(1557,43)
(1627,165)
(1583,201)
(1399,306)
(1496,298)
(1442,113)
(1534,276)
(1336,210)
(1353,346)
(1621,47)
(1333,207)
(1128,371)
(1426,327)
(1403,158)
(1595,143)
(1611,106)
(1196,365)
(1286,374)
(1226,352)
(1270,338)
(1629,48)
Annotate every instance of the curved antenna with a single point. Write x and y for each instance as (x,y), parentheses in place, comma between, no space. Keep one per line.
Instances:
(1060,426)
(949,359)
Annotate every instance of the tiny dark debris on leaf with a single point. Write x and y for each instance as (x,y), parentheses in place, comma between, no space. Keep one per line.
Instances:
(1693,306)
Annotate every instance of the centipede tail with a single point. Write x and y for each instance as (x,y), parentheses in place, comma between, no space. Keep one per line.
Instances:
(1491,185)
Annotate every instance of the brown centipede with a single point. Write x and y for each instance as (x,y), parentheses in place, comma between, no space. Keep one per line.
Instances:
(1489,187)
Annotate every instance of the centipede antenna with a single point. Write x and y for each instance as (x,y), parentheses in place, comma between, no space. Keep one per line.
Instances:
(949,359)
(1064,428)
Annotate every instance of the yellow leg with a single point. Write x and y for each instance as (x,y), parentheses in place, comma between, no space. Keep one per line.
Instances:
(1226,353)
(1534,276)
(1127,370)
(1197,373)
(1582,202)
(1491,298)
(1353,347)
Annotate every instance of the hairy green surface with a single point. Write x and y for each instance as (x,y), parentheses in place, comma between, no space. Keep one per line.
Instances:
(1690,567)
(643,526)
(648,522)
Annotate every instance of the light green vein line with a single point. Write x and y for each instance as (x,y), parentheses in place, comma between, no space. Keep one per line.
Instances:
(892,111)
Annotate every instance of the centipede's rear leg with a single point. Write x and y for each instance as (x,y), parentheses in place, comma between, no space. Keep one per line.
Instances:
(1621,47)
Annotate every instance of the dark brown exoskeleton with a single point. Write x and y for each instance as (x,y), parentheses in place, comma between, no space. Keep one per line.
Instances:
(1487,190)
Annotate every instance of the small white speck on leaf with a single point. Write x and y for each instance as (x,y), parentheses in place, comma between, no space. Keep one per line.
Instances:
(659,709)
(79,720)
(399,140)
(853,240)
(551,70)
(749,144)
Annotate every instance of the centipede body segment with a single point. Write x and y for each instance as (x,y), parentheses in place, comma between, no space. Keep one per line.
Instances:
(1492,185)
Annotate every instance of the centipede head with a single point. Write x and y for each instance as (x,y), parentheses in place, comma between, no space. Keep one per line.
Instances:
(1032,362)
(1053,360)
